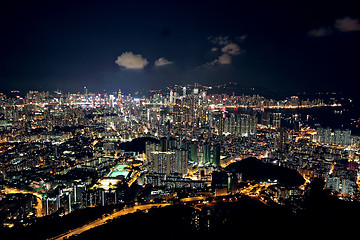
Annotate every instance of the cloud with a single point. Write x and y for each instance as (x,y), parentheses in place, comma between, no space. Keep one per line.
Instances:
(220,40)
(222,59)
(162,62)
(347,24)
(320,32)
(231,48)
(130,60)
(344,24)
(228,49)
(241,38)
(225,59)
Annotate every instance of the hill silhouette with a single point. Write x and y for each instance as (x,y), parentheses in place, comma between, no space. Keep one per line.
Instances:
(254,169)
(137,144)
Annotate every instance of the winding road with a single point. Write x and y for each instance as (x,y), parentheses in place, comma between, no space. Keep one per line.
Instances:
(104,220)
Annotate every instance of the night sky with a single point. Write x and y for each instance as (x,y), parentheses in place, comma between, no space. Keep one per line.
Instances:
(287,46)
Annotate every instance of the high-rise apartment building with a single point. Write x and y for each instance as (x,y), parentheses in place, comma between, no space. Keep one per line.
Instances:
(216,155)
(163,162)
(169,162)
(276,120)
(240,125)
(181,161)
(338,137)
(265,119)
(206,153)
(193,151)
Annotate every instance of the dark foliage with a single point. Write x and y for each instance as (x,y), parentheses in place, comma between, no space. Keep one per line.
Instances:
(136,145)
(254,169)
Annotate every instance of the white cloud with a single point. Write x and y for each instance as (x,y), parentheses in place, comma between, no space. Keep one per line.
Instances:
(130,60)
(320,32)
(222,59)
(225,59)
(231,48)
(162,62)
(347,24)
(344,24)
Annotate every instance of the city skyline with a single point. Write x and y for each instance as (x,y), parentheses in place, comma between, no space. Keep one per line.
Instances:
(281,46)
(179,119)
(85,159)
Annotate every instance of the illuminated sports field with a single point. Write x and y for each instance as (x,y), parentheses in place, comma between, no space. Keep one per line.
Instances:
(119,170)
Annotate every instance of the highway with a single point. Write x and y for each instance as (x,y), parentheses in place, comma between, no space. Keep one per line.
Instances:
(119,213)
(103,220)
(192,199)
(39,212)
(252,191)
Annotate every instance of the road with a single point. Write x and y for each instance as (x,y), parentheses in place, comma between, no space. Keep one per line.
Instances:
(119,213)
(38,207)
(191,199)
(103,220)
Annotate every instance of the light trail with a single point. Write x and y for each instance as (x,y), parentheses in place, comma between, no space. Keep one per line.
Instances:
(104,220)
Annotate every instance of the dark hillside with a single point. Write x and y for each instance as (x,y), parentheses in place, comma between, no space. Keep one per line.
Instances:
(254,169)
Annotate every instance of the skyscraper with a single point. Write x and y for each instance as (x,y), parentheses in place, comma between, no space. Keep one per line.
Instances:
(282,139)
(294,101)
(184,92)
(164,144)
(111,100)
(324,135)
(216,155)
(163,162)
(206,153)
(181,161)
(342,137)
(193,149)
(276,120)
(265,119)
(171,96)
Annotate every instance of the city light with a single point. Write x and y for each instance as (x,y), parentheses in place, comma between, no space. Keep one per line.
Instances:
(75,156)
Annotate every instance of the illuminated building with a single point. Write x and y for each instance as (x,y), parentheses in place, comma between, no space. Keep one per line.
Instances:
(220,182)
(164,144)
(184,92)
(342,137)
(294,101)
(281,141)
(193,151)
(206,153)
(265,119)
(333,184)
(78,191)
(338,137)
(181,161)
(58,201)
(216,155)
(151,147)
(341,185)
(242,125)
(324,135)
(111,100)
(163,162)
(171,96)
(196,89)
(276,120)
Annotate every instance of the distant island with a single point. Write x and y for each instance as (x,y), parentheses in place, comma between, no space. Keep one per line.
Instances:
(254,169)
